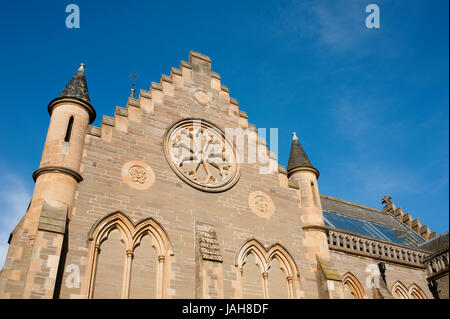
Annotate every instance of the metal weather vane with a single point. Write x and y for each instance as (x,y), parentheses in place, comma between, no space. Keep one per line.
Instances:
(133,78)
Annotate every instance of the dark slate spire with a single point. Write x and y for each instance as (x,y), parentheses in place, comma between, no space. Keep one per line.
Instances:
(298,157)
(77,86)
(75,90)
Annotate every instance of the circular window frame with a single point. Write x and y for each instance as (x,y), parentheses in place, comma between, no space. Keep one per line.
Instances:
(209,125)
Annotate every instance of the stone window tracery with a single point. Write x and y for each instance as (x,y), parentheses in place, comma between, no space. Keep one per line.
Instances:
(399,291)
(354,286)
(264,260)
(131,236)
(200,155)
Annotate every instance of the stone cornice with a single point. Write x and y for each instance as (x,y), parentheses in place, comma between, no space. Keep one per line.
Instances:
(323,229)
(57,169)
(199,56)
(61,100)
(304,168)
(243,114)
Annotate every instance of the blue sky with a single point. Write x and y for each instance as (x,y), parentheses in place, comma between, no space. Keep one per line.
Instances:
(370,106)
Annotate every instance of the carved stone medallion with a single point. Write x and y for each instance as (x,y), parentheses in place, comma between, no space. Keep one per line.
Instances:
(201,96)
(261,204)
(138,175)
(199,154)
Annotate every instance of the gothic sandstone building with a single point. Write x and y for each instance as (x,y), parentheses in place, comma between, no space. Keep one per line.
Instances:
(158,203)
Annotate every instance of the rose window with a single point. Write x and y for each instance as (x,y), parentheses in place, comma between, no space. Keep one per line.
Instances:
(199,154)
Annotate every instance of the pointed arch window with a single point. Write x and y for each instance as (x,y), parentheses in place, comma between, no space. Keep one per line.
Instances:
(354,286)
(272,263)
(416,293)
(134,258)
(399,291)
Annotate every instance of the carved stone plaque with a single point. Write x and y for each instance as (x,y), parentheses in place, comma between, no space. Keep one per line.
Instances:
(53,218)
(207,242)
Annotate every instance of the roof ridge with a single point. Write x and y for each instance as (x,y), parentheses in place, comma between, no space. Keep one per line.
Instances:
(353,204)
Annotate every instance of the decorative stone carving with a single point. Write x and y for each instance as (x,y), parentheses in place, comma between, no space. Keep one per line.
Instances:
(261,204)
(138,175)
(207,241)
(201,96)
(199,154)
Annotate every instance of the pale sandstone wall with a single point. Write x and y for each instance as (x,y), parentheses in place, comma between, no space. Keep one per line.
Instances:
(175,205)
(443,285)
(357,266)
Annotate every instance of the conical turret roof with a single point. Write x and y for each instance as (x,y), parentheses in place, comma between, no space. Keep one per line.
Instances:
(77,86)
(76,89)
(298,157)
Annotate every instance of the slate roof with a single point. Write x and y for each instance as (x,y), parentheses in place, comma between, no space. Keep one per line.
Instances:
(297,156)
(437,244)
(77,87)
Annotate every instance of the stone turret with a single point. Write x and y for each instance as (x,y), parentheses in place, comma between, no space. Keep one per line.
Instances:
(38,239)
(303,176)
(70,115)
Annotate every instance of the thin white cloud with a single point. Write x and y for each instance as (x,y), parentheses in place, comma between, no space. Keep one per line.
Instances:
(362,120)
(14,200)
(337,25)
(353,121)
(378,179)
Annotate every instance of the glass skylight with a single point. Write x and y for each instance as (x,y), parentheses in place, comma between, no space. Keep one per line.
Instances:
(402,236)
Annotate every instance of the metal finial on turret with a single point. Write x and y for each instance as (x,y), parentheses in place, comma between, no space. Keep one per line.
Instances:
(133,78)
(294,136)
(81,68)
